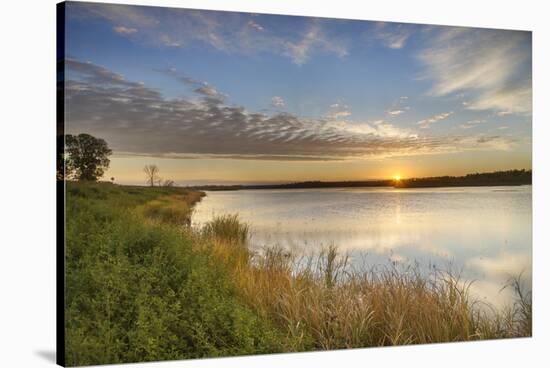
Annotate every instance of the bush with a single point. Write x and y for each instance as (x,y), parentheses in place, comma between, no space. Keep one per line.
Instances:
(138,291)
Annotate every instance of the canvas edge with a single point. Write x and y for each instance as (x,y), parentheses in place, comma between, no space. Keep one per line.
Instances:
(60,185)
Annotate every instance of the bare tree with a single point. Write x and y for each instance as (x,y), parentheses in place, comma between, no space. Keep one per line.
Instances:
(152,174)
(168,183)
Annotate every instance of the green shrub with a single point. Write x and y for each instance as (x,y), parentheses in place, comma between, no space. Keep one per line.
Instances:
(138,291)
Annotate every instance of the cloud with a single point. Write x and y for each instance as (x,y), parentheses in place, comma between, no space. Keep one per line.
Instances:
(229,32)
(255,25)
(120,15)
(136,119)
(492,66)
(393,35)
(427,123)
(517,98)
(338,111)
(124,30)
(98,75)
(202,88)
(471,123)
(314,39)
(277,101)
(398,107)
(340,114)
(395,112)
(168,41)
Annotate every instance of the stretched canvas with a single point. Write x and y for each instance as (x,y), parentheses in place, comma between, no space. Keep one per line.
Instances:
(235,183)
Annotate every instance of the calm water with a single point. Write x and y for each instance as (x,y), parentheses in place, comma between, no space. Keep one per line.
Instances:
(484,231)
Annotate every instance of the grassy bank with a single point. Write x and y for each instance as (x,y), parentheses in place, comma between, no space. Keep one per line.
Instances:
(140,289)
(142,285)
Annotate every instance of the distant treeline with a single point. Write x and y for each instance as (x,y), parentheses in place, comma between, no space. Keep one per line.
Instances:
(302,185)
(510,177)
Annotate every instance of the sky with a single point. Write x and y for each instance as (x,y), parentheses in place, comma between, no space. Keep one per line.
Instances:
(225,97)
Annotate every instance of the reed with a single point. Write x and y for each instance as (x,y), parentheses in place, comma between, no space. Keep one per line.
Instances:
(321,302)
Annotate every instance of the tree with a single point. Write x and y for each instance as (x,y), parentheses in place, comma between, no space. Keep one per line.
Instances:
(62,171)
(86,157)
(152,174)
(168,183)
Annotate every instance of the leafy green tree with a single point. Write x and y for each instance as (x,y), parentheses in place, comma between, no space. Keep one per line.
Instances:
(86,157)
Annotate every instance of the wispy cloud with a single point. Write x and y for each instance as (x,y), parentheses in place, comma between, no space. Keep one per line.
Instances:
(228,32)
(313,39)
(338,111)
(137,119)
(493,67)
(395,112)
(255,25)
(513,98)
(471,123)
(398,107)
(202,88)
(427,123)
(124,30)
(393,35)
(277,101)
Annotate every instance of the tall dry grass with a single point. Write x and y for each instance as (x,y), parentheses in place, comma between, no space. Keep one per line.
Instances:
(321,302)
(174,209)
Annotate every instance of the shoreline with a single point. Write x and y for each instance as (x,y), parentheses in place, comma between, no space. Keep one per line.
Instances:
(497,178)
(210,189)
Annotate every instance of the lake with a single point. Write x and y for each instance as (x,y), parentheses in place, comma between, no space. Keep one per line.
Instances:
(482,232)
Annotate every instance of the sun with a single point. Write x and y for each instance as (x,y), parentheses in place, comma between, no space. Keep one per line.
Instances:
(397,177)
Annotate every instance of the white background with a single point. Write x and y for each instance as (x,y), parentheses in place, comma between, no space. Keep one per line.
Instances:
(27,182)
